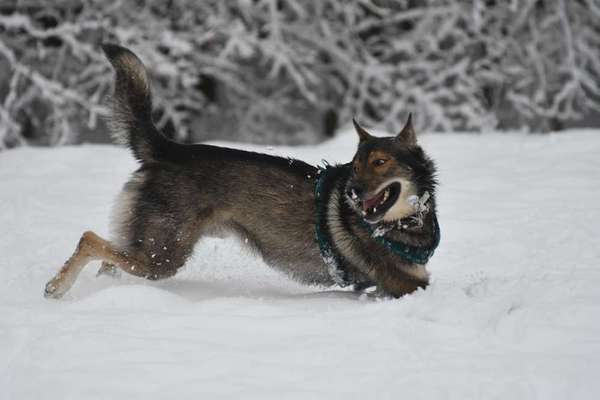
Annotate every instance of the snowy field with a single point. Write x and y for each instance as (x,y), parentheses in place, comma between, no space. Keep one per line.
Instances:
(513,311)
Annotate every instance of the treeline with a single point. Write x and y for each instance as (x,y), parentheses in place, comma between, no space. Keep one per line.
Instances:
(286,71)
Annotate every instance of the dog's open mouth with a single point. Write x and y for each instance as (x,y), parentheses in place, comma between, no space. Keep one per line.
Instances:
(375,207)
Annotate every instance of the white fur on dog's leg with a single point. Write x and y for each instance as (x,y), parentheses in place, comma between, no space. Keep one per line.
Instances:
(109,270)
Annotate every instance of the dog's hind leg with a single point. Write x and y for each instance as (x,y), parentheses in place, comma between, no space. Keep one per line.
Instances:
(108,269)
(92,247)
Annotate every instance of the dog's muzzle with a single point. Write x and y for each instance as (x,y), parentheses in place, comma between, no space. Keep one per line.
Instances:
(374,207)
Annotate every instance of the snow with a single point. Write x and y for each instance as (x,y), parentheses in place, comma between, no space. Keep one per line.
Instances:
(512,311)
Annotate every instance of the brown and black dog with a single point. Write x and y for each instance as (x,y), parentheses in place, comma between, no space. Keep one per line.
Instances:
(371,222)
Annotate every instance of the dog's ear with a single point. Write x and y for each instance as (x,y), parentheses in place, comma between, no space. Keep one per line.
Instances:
(363,135)
(407,135)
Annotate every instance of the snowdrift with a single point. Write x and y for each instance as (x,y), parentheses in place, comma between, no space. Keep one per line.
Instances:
(512,311)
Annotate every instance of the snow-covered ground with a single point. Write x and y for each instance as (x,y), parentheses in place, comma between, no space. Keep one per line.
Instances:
(513,311)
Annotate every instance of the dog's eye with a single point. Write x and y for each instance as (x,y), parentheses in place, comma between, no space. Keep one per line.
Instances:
(379,162)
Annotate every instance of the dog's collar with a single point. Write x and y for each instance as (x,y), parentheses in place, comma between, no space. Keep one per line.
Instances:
(331,258)
(410,253)
(413,254)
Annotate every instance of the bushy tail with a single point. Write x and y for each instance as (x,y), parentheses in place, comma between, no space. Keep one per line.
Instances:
(132,106)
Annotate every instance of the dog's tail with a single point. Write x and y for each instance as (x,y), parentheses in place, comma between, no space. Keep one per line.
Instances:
(131,120)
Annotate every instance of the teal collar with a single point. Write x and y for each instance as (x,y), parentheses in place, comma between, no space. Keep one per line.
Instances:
(413,254)
(331,257)
(334,260)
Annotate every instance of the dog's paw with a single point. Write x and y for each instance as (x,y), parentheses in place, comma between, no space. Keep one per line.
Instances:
(55,288)
(109,270)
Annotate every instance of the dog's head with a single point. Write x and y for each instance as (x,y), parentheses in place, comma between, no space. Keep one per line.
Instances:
(386,172)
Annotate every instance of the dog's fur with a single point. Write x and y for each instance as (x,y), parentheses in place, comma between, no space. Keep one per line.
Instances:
(181,193)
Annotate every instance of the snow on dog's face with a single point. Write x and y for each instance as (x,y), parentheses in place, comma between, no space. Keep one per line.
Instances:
(386,172)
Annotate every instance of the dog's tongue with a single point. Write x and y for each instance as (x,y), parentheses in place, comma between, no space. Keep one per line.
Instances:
(372,202)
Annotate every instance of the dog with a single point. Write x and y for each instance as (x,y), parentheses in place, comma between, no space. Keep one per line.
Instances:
(367,223)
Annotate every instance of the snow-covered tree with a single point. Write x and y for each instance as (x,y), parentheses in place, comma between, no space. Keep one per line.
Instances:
(540,64)
(292,71)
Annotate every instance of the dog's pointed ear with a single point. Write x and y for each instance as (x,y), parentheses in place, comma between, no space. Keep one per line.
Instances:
(363,135)
(407,135)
